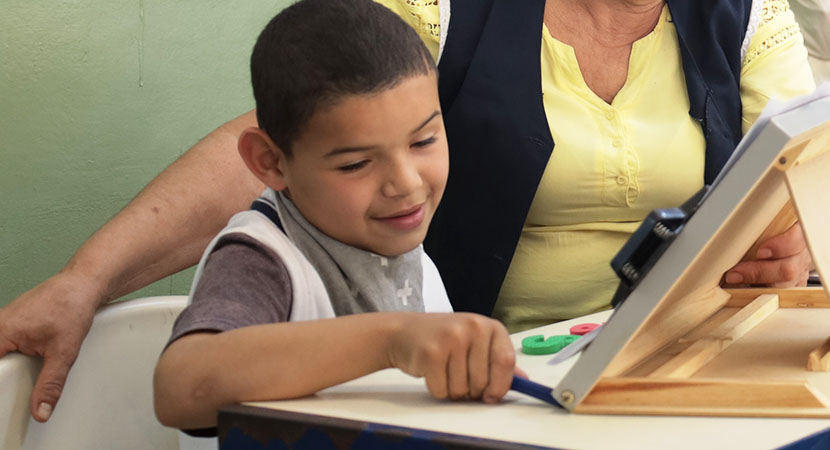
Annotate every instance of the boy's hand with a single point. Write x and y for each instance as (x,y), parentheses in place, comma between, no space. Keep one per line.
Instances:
(50,321)
(461,355)
(781,261)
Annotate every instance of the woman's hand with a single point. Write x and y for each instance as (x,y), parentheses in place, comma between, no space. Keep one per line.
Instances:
(781,261)
(50,321)
(460,355)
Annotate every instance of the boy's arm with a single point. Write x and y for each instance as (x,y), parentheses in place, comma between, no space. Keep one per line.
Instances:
(460,355)
(162,231)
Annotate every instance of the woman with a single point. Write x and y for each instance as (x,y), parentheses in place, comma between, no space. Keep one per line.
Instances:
(619,150)
(641,102)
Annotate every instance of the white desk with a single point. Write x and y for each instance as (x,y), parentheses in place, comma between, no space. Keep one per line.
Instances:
(398,400)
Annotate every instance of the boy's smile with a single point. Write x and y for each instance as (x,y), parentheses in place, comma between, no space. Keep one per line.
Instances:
(370,169)
(405,220)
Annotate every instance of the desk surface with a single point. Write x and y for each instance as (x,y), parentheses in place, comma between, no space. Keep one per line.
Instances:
(393,398)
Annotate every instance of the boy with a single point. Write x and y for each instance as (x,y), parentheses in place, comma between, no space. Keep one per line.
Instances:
(352,148)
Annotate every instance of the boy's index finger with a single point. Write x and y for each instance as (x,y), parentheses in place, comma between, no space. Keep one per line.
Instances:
(502,366)
(478,366)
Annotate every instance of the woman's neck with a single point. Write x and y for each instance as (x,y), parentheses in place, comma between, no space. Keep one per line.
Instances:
(602,34)
(611,23)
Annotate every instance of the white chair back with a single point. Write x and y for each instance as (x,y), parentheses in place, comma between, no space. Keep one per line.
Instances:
(107,402)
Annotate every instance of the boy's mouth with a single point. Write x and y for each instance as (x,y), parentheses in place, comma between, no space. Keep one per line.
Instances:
(405,219)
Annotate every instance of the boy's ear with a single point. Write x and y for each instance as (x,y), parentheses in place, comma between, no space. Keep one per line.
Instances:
(263,158)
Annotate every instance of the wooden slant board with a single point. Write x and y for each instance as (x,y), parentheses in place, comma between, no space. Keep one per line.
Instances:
(683,343)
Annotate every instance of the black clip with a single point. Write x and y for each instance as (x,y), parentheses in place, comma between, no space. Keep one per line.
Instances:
(648,243)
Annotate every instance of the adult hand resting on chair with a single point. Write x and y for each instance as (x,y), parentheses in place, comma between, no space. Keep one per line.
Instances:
(156,235)
(50,321)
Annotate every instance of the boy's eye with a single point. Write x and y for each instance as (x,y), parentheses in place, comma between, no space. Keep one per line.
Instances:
(353,167)
(424,143)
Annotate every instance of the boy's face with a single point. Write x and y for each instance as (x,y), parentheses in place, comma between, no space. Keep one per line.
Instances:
(370,170)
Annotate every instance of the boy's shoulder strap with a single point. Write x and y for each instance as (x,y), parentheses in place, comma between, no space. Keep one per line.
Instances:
(269,210)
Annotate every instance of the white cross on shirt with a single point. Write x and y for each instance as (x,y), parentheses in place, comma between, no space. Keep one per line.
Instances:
(405,292)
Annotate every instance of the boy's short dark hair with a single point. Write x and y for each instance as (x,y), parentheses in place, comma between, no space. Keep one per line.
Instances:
(316,51)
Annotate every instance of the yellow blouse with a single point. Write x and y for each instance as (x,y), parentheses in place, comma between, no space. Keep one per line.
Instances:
(613,163)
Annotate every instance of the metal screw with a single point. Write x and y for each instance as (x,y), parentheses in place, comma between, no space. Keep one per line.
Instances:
(567,397)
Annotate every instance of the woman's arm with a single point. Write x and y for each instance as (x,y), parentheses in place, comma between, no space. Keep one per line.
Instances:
(775,66)
(460,355)
(167,226)
(160,232)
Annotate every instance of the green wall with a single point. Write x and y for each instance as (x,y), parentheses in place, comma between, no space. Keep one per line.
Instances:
(96,98)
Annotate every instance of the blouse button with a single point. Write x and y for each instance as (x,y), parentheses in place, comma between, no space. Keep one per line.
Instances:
(617,143)
(609,115)
(621,180)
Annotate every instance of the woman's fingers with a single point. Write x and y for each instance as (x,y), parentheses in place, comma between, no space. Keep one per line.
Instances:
(790,243)
(784,272)
(782,261)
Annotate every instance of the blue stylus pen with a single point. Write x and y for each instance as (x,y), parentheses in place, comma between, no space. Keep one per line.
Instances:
(532,389)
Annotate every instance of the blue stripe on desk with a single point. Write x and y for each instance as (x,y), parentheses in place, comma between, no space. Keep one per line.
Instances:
(371,438)
(817,441)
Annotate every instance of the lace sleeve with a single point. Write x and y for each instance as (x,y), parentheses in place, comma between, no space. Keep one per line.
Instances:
(775,64)
(770,26)
(423,16)
(425,13)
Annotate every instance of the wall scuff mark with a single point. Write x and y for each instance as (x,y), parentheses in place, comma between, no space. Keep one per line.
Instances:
(141,43)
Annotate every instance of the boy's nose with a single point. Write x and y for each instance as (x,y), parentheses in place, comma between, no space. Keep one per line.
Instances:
(403,179)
